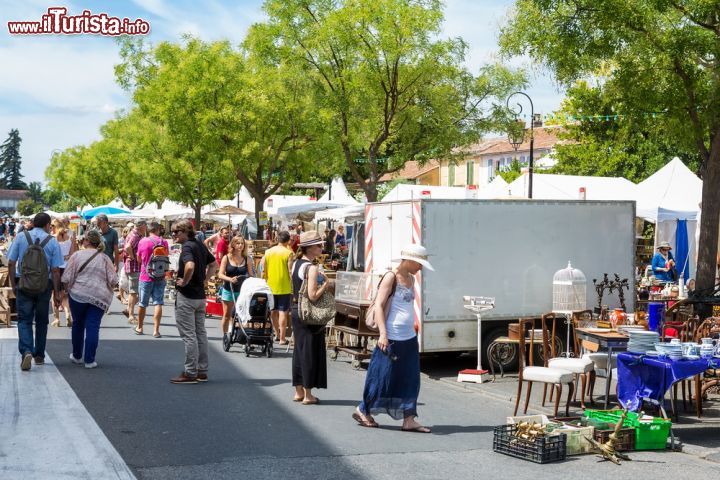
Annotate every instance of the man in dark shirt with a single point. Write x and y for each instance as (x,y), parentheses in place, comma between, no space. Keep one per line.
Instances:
(195,265)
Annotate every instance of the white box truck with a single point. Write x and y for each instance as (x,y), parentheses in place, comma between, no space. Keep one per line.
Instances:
(507,249)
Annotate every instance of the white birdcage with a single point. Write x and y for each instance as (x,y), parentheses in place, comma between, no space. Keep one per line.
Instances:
(569,290)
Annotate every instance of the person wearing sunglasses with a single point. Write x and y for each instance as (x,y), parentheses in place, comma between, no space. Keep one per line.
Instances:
(195,265)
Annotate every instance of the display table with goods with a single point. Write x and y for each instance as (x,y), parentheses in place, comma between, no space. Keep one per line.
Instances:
(643,376)
(611,341)
(354,292)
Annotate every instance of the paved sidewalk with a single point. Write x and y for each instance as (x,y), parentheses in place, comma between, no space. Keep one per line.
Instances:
(46,431)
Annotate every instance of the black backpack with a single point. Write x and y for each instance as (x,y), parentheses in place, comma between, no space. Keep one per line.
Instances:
(34,270)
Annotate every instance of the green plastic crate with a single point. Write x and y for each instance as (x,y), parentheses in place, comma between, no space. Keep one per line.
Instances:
(649,435)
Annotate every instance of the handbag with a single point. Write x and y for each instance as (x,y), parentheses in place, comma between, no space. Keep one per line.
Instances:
(370,320)
(319,312)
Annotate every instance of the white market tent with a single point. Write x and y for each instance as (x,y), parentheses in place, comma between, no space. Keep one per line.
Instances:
(567,187)
(672,193)
(498,188)
(247,202)
(336,196)
(338,193)
(415,192)
(346,214)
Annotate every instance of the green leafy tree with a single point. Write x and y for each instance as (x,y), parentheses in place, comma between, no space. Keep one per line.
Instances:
(35,192)
(656,56)
(386,90)
(10,162)
(177,89)
(603,142)
(74,172)
(29,207)
(248,113)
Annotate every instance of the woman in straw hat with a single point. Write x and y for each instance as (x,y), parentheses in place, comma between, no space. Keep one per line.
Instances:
(663,263)
(392,384)
(309,367)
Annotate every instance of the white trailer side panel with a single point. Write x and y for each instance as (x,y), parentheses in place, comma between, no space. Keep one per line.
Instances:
(510,250)
(507,249)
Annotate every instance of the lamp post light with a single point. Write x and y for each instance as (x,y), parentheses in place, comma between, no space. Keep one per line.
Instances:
(516,136)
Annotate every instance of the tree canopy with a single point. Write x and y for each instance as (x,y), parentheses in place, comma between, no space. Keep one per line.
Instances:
(603,143)
(655,56)
(387,90)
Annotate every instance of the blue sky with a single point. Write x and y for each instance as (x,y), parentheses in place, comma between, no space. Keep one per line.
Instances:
(58,90)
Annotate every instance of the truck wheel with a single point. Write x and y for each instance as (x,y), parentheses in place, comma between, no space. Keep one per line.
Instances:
(505,353)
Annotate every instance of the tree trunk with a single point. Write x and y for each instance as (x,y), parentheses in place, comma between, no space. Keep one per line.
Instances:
(259,204)
(709,222)
(197,207)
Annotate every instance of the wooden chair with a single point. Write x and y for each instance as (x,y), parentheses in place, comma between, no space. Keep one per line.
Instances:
(583,368)
(529,373)
(582,319)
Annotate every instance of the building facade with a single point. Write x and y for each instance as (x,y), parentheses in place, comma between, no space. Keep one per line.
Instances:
(9,200)
(481,162)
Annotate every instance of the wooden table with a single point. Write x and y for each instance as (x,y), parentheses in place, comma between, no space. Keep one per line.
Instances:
(612,341)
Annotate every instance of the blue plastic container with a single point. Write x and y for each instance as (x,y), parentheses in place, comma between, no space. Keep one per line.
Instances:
(656,312)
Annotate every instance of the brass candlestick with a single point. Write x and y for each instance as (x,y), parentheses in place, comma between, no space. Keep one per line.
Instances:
(607,450)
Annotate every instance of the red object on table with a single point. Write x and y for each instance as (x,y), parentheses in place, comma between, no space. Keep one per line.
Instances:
(213,307)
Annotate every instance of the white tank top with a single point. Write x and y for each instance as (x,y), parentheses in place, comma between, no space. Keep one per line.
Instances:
(400,323)
(65,250)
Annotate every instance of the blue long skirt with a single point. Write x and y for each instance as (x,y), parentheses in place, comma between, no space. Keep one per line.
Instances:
(392,384)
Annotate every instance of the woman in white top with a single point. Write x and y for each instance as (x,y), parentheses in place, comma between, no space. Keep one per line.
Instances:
(67,247)
(392,384)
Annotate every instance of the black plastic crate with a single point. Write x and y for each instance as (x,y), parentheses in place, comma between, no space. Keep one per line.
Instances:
(545,449)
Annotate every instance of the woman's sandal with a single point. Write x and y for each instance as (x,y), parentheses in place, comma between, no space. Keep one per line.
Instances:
(364,422)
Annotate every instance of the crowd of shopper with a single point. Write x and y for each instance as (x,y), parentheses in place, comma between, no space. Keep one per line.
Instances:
(50,267)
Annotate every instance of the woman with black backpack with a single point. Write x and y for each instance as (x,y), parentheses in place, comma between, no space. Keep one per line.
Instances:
(89,280)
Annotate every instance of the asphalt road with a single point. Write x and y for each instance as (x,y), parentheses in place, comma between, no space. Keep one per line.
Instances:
(243,423)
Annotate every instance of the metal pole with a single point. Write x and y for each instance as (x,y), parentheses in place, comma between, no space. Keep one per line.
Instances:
(530,162)
(532,137)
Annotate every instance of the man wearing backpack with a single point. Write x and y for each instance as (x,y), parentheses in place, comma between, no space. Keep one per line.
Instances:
(35,257)
(153,257)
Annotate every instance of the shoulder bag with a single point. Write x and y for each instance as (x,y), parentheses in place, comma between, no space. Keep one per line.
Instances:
(319,312)
(370,320)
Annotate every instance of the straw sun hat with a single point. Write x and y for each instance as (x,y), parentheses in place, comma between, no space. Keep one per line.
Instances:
(308,239)
(416,253)
(664,245)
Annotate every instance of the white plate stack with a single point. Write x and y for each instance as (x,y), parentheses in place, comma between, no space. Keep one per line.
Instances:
(642,340)
(671,350)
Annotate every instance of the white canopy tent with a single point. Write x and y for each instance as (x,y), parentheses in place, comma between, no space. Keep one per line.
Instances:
(347,214)
(272,203)
(337,193)
(415,192)
(498,188)
(567,187)
(672,193)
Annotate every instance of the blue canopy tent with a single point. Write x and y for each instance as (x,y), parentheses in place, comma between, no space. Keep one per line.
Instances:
(106,209)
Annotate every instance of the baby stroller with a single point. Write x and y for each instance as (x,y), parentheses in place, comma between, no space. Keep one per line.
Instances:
(251,325)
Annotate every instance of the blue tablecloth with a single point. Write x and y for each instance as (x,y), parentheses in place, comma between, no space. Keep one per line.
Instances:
(641,376)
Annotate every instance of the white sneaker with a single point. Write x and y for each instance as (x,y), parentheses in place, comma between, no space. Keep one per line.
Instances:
(91,365)
(76,361)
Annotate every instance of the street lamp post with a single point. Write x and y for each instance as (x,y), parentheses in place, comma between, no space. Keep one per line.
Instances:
(516,138)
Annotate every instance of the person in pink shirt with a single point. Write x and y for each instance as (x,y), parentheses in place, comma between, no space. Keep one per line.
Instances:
(222,245)
(152,276)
